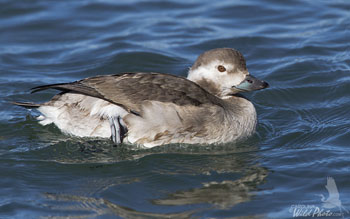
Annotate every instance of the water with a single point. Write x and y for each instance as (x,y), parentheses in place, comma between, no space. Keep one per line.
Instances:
(300,47)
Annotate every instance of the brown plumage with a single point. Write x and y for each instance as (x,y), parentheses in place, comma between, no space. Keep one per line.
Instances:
(129,90)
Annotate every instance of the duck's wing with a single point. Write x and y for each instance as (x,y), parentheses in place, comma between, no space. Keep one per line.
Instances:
(130,90)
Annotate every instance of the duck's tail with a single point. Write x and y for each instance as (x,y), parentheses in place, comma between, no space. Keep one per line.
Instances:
(27,105)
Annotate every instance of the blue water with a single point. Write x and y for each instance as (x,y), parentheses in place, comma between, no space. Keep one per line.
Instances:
(300,47)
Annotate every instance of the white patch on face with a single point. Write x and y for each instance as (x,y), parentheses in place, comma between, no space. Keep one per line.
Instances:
(223,80)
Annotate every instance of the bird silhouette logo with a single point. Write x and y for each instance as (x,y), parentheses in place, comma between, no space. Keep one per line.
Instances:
(333,200)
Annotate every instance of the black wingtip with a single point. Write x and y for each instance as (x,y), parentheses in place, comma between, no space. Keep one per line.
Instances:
(45,87)
(27,105)
(39,88)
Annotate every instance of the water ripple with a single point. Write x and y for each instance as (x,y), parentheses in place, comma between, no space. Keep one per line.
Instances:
(300,47)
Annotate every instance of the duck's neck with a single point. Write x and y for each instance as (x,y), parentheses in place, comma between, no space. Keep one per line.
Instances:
(210,87)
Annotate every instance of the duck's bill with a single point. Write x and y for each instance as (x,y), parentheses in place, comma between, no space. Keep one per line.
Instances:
(251,83)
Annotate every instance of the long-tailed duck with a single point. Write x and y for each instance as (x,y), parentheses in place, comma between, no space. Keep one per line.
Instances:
(153,109)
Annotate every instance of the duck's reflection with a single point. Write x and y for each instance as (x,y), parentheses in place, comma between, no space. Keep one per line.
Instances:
(224,194)
(244,176)
(96,207)
(232,177)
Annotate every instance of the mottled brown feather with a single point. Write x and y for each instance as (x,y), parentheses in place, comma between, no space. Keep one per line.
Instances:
(129,90)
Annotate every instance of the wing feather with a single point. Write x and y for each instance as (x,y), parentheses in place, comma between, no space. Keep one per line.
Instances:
(130,90)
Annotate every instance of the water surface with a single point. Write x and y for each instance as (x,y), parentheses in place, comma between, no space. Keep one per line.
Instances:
(300,47)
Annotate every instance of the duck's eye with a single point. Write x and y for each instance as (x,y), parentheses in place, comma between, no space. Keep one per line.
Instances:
(221,68)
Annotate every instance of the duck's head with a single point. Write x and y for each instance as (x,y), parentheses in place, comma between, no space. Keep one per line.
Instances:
(224,73)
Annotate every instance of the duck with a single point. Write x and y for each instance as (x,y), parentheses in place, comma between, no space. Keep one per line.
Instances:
(150,109)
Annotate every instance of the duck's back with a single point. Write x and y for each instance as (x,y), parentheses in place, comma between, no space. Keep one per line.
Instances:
(130,90)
